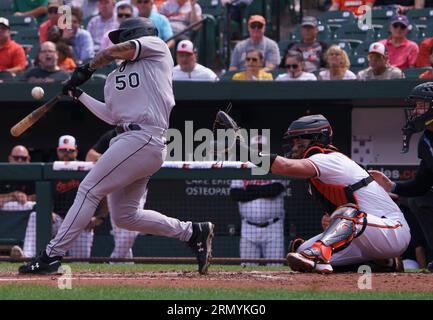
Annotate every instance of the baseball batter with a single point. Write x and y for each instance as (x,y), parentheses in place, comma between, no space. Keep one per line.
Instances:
(365,223)
(138,100)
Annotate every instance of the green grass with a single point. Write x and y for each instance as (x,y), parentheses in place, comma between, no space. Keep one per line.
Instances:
(24,292)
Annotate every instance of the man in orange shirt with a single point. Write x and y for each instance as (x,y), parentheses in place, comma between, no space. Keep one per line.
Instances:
(53,19)
(428,74)
(350,5)
(425,47)
(12,55)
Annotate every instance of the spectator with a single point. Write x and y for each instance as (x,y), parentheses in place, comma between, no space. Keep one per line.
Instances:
(402,5)
(32,8)
(188,69)
(261,207)
(402,52)
(351,5)
(423,59)
(145,9)
(12,55)
(311,48)
(46,69)
(379,67)
(17,193)
(102,23)
(80,39)
(294,62)
(337,65)
(64,194)
(254,63)
(124,11)
(66,57)
(428,74)
(257,40)
(53,19)
(181,14)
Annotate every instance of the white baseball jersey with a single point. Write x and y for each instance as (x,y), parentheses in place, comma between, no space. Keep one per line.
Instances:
(336,168)
(200,73)
(262,209)
(133,95)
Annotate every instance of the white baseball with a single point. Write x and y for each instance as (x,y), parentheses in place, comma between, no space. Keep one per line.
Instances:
(37,93)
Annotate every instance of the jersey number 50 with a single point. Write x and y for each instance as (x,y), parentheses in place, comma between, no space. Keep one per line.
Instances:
(124,80)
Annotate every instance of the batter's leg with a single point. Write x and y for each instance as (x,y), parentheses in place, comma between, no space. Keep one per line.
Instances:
(29,247)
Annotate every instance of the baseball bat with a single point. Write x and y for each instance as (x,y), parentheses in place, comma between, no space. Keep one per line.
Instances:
(34,116)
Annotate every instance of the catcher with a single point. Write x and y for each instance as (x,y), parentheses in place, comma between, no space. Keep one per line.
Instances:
(365,223)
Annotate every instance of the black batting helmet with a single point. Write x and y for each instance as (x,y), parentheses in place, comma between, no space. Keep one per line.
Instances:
(314,127)
(418,117)
(133,28)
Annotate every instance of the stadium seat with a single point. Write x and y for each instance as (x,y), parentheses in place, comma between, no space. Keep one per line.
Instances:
(6,8)
(212,7)
(352,33)
(27,36)
(336,19)
(282,45)
(22,23)
(420,17)
(427,32)
(414,73)
(277,71)
(343,44)
(381,17)
(358,63)
(206,41)
(227,76)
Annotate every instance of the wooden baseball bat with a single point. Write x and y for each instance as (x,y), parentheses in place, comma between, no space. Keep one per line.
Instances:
(34,116)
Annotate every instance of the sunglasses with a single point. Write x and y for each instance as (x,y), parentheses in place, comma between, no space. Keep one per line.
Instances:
(52,10)
(292,66)
(248,59)
(256,25)
(66,150)
(142,1)
(20,158)
(399,25)
(124,15)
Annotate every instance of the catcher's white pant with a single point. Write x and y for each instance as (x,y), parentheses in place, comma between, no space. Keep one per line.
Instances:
(265,242)
(383,238)
(81,247)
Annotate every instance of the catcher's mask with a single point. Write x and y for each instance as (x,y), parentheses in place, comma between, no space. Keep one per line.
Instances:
(133,28)
(315,128)
(420,112)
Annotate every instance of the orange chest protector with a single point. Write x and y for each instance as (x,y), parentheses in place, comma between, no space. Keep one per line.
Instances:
(331,196)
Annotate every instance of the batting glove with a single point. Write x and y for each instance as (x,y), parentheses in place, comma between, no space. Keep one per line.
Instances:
(81,74)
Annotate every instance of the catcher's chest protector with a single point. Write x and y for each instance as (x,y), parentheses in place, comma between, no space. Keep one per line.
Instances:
(332,196)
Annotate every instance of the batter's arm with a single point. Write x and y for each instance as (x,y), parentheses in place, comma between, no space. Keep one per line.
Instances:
(98,108)
(122,51)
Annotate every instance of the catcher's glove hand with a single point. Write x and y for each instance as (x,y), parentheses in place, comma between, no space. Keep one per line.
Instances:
(80,75)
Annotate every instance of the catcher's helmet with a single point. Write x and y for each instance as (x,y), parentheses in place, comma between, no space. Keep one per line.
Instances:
(133,28)
(418,115)
(315,128)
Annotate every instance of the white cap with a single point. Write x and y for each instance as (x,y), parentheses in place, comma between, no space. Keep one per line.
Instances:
(185,46)
(377,47)
(67,142)
(4,21)
(259,139)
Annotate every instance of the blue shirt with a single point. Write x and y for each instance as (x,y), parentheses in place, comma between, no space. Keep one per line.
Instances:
(82,44)
(162,24)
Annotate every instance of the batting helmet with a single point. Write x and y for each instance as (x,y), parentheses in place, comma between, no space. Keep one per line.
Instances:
(133,28)
(315,128)
(419,115)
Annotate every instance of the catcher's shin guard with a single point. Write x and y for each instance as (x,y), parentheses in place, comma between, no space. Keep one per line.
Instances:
(347,223)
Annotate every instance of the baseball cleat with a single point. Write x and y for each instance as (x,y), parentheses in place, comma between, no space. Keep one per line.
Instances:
(298,262)
(201,244)
(41,264)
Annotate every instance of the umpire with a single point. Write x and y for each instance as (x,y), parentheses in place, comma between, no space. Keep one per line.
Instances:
(419,117)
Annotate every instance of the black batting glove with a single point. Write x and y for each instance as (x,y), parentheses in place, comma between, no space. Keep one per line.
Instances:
(81,74)
(71,91)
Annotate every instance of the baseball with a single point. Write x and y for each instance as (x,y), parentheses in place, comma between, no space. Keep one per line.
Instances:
(37,93)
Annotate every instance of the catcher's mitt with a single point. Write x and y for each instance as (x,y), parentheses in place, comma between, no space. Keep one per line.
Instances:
(226,122)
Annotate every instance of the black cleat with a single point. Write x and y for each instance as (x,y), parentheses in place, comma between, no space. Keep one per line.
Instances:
(201,244)
(42,264)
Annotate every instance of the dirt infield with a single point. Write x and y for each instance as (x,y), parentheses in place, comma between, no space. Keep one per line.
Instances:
(408,282)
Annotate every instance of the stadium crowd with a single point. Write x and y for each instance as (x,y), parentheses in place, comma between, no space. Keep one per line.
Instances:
(330,45)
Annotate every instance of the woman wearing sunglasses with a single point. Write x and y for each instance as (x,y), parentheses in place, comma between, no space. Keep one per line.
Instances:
(337,65)
(294,62)
(254,64)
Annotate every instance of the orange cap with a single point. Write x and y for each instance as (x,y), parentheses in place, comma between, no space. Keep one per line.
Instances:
(257,18)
